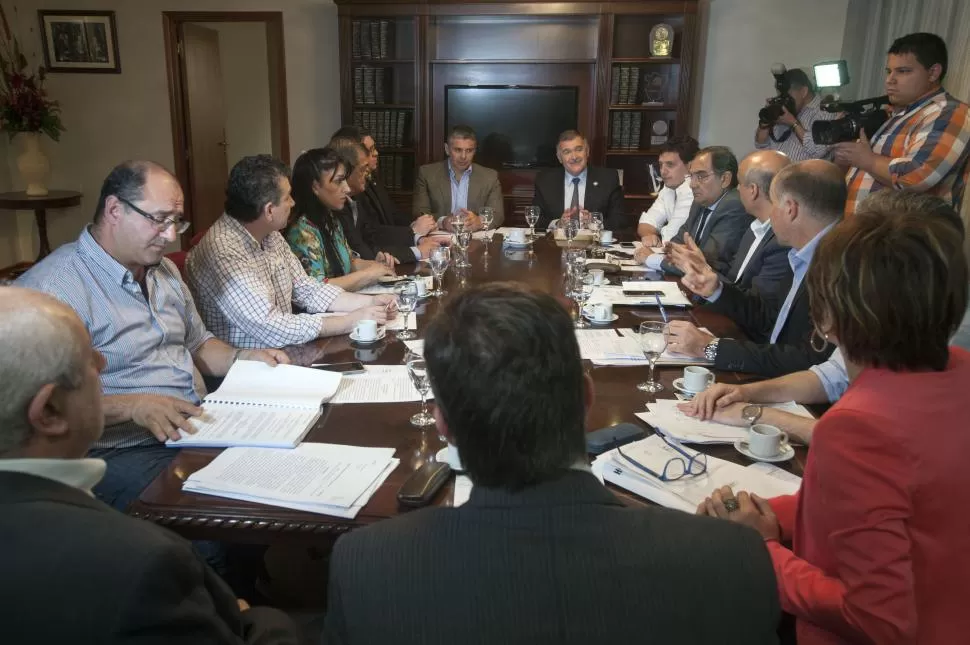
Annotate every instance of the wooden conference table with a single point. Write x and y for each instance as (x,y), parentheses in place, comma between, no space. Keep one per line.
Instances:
(387,424)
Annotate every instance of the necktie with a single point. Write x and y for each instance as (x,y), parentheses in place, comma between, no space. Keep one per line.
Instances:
(574,202)
(701,225)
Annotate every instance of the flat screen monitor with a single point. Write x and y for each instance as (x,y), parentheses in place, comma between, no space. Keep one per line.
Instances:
(517,126)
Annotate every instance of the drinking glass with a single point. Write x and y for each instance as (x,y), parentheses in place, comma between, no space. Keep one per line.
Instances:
(653,338)
(573,260)
(487,215)
(457,222)
(532,218)
(582,288)
(596,226)
(407,300)
(570,229)
(462,241)
(418,372)
(438,262)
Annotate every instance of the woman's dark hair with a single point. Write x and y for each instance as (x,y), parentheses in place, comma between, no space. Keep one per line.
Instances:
(891,281)
(316,165)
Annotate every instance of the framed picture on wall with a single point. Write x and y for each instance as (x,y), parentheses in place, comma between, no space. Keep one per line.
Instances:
(80,41)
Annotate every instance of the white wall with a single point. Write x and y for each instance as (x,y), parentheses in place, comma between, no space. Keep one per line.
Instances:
(113,117)
(245,87)
(741,41)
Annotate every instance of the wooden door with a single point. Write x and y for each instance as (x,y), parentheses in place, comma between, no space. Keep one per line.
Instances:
(205,118)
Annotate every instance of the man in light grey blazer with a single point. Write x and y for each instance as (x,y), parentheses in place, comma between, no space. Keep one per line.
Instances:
(457,184)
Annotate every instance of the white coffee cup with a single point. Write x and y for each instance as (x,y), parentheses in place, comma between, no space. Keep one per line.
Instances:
(366,329)
(765,440)
(517,235)
(606,237)
(598,276)
(422,287)
(602,311)
(697,379)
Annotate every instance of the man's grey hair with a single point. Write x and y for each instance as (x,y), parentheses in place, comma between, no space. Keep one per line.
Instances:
(39,347)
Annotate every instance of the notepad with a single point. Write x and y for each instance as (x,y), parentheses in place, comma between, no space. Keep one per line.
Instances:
(259,405)
(672,295)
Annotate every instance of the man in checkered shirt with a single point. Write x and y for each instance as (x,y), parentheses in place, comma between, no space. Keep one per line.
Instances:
(247,281)
(924,144)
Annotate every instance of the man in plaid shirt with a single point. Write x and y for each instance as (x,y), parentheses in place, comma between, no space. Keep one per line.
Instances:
(924,144)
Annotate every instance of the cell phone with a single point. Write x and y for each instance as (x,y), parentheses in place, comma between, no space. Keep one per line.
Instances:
(620,253)
(599,441)
(423,484)
(350,367)
(627,245)
(650,293)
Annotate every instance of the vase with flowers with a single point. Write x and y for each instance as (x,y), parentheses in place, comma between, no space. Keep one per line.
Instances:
(26,110)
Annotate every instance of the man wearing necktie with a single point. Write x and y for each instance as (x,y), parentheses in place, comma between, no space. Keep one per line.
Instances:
(577,186)
(717,219)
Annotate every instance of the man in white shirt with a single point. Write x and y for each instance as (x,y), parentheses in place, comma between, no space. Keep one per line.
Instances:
(661,222)
(124,580)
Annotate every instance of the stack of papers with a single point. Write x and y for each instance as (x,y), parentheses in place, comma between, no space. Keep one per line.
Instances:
(687,493)
(378,384)
(378,289)
(323,478)
(601,345)
(667,358)
(666,417)
(671,294)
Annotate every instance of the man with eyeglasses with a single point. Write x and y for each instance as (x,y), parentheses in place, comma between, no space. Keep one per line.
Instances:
(541,552)
(717,219)
(143,320)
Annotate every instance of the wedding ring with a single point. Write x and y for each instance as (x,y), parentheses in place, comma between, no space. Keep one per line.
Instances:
(731,504)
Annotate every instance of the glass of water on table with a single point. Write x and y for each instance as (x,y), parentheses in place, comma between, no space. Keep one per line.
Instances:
(653,337)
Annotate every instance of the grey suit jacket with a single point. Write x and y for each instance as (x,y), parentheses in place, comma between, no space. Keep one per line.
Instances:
(561,562)
(722,234)
(432,191)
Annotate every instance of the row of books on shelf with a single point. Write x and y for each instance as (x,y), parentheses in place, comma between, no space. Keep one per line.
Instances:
(372,39)
(388,127)
(625,85)
(371,84)
(625,130)
(395,170)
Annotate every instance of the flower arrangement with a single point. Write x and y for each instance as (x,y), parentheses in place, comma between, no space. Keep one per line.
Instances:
(24,104)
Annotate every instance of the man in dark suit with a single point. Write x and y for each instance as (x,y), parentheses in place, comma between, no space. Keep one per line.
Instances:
(761,261)
(74,570)
(541,552)
(717,219)
(809,198)
(377,200)
(458,185)
(577,186)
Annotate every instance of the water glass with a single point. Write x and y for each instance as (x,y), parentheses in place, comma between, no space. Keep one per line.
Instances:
(582,289)
(418,372)
(407,300)
(653,337)
(487,215)
(438,262)
(570,229)
(457,222)
(596,226)
(463,240)
(532,218)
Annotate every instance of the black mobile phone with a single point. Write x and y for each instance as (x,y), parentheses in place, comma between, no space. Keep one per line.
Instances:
(627,245)
(350,367)
(650,293)
(624,254)
(599,441)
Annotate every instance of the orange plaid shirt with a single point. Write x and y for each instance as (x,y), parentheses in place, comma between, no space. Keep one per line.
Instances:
(929,144)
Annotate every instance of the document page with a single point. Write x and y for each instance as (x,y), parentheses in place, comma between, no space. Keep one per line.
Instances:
(283,385)
(378,384)
(223,425)
(664,415)
(604,344)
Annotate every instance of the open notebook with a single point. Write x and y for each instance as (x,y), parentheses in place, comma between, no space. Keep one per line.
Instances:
(261,406)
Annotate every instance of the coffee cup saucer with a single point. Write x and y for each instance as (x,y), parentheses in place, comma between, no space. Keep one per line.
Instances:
(516,245)
(679,386)
(588,315)
(786,453)
(380,336)
(442,457)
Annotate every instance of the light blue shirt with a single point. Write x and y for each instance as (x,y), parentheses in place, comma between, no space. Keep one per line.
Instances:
(147,343)
(459,188)
(568,188)
(832,375)
(799,261)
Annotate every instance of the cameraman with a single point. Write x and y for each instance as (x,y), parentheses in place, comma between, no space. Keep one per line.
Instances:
(924,144)
(796,130)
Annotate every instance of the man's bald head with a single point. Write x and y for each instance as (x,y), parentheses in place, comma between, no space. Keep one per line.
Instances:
(127,181)
(817,185)
(45,348)
(756,173)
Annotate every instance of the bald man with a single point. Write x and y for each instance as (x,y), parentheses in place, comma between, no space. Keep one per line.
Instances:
(74,570)
(142,319)
(761,262)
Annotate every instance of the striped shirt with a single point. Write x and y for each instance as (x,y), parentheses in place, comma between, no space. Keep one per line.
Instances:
(147,343)
(246,289)
(927,144)
(804,148)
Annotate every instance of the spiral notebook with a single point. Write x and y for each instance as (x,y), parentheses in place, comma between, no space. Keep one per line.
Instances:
(261,406)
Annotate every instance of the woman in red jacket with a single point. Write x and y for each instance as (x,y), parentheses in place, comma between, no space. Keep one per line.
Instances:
(880,530)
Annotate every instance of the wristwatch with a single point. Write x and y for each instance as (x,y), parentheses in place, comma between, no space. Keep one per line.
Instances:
(751,413)
(710,352)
